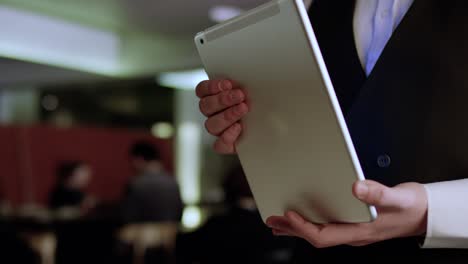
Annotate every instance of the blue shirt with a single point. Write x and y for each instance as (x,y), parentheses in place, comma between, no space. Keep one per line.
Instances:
(374,23)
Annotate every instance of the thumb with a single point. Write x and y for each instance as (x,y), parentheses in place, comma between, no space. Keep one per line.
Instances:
(374,193)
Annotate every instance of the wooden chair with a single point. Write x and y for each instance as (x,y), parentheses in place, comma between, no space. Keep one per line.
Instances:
(149,235)
(44,244)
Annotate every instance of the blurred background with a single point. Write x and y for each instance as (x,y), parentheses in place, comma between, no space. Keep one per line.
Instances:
(103,156)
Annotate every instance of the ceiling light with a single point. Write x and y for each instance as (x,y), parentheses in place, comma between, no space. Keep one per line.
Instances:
(50,102)
(162,130)
(222,13)
(186,80)
(191,217)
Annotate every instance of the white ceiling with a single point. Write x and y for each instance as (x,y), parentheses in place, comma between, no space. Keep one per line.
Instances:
(168,24)
(177,16)
(174,17)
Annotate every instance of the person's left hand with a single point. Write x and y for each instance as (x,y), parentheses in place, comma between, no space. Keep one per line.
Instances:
(402,212)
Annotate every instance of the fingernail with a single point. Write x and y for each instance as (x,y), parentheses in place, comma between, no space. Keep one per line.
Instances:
(276,233)
(273,226)
(361,190)
(235,96)
(240,109)
(270,223)
(226,85)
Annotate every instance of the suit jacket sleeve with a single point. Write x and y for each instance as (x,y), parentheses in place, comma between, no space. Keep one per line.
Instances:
(447,219)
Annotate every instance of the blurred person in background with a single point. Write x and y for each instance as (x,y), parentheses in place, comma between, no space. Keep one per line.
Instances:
(153,195)
(235,236)
(70,190)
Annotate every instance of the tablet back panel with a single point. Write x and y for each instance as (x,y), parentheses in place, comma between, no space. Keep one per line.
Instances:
(295,148)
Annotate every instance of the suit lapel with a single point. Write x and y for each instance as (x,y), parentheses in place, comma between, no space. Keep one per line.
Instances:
(333,26)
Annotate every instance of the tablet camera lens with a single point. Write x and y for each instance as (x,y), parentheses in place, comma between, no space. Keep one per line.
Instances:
(202,41)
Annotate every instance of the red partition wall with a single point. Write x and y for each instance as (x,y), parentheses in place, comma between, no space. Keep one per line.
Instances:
(10,167)
(29,156)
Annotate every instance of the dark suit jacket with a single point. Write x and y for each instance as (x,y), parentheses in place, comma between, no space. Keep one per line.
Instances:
(409,118)
(152,197)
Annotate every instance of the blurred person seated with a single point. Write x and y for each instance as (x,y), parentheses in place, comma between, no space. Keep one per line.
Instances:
(70,190)
(153,195)
(238,235)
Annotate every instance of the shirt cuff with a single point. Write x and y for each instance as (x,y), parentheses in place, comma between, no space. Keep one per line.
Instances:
(447,214)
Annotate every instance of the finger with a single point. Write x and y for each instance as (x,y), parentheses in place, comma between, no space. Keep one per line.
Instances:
(221,148)
(281,224)
(218,123)
(330,234)
(361,244)
(278,232)
(210,105)
(301,227)
(230,135)
(374,193)
(212,87)
(225,144)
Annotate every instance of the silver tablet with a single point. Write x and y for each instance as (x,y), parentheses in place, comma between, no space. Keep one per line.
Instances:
(295,148)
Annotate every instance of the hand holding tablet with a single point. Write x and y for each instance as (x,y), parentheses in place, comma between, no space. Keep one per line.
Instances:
(223,103)
(392,203)
(292,129)
(293,142)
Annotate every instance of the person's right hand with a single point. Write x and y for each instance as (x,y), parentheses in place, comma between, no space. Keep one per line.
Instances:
(223,102)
